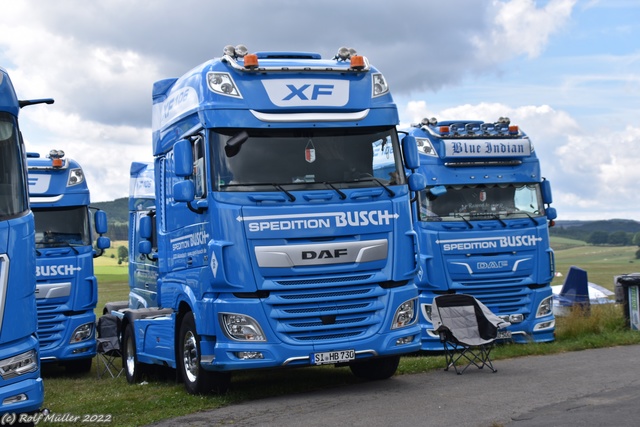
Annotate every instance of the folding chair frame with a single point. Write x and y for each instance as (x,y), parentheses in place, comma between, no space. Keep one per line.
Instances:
(108,347)
(105,362)
(474,334)
(478,355)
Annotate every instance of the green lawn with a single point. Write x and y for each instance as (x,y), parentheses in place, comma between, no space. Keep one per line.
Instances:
(602,263)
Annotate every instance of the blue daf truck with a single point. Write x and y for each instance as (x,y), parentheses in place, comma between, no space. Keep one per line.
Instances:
(482,223)
(21,388)
(270,243)
(66,288)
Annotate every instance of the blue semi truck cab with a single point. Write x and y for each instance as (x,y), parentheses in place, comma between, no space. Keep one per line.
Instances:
(483,223)
(21,387)
(65,230)
(270,242)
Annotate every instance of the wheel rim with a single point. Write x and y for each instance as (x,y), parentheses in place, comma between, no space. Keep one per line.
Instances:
(190,356)
(130,360)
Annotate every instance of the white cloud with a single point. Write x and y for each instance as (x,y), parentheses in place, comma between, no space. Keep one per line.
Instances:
(105,152)
(522,28)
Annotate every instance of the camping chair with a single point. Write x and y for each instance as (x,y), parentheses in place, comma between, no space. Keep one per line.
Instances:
(108,347)
(467,329)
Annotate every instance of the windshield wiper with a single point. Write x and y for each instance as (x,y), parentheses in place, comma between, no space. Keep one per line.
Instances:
(340,193)
(526,213)
(256,184)
(496,216)
(457,215)
(279,187)
(380,183)
(56,244)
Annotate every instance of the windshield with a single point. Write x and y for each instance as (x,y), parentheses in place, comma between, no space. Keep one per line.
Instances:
(306,158)
(62,227)
(13,191)
(469,202)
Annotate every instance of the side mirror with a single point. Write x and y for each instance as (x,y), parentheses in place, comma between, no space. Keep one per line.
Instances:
(551,213)
(184,191)
(144,247)
(235,142)
(545,187)
(183,158)
(145,228)
(103,242)
(410,153)
(100,220)
(417,182)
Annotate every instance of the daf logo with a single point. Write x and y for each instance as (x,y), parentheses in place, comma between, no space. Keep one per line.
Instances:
(324,254)
(316,91)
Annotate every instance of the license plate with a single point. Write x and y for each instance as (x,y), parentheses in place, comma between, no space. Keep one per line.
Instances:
(504,335)
(328,357)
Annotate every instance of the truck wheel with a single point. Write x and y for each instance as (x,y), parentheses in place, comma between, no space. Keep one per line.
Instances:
(80,366)
(196,379)
(129,358)
(376,369)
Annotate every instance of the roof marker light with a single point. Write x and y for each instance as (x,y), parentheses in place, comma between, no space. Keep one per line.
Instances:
(56,158)
(251,61)
(357,62)
(513,129)
(443,130)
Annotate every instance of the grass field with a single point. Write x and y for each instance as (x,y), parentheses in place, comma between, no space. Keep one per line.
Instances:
(160,397)
(602,263)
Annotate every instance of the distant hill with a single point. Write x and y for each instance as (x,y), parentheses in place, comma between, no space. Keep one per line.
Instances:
(597,231)
(117,217)
(117,210)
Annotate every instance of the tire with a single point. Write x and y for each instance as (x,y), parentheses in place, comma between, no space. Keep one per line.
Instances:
(132,369)
(196,379)
(80,366)
(380,368)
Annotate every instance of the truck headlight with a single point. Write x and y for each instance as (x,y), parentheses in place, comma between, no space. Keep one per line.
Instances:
(76,176)
(405,314)
(545,307)
(82,333)
(223,84)
(18,365)
(380,86)
(241,327)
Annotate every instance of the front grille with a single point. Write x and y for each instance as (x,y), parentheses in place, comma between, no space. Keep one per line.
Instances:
(502,299)
(344,310)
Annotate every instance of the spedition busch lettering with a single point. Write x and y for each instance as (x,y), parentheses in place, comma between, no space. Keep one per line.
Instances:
(489,243)
(56,270)
(190,240)
(318,220)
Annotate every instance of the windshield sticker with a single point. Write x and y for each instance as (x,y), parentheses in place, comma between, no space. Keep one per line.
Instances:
(310,152)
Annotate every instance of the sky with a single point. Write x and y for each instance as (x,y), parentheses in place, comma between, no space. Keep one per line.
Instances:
(566,71)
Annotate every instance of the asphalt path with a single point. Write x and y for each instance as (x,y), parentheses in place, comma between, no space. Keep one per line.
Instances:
(599,387)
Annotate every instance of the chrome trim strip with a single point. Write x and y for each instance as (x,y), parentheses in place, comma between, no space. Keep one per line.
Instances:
(310,117)
(46,199)
(4,279)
